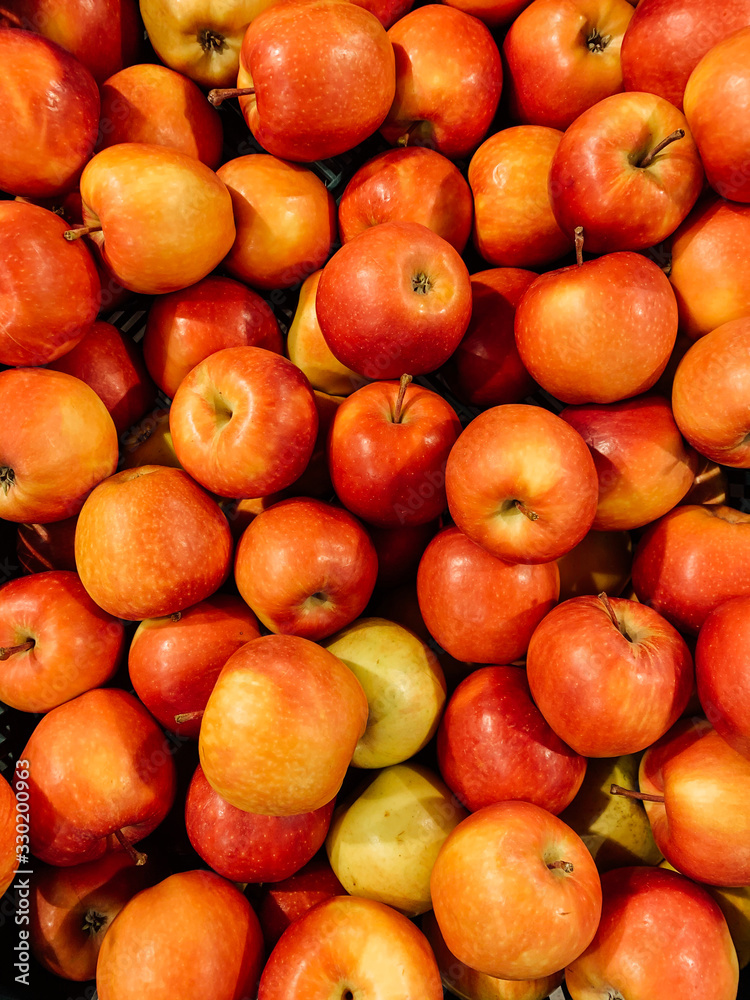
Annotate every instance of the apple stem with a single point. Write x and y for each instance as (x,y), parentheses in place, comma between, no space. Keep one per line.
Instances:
(403,140)
(76,234)
(707,474)
(221,94)
(137,857)
(7,651)
(526,511)
(188,717)
(566,866)
(679,133)
(604,598)
(13,19)
(630,794)
(405,380)
(578,236)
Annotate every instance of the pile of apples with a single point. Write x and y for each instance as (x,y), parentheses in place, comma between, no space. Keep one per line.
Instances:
(400,640)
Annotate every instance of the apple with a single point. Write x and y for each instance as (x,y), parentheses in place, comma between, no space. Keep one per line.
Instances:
(173,662)
(599,563)
(8,818)
(192,934)
(643,465)
(318,78)
(522,483)
(691,560)
(285,218)
(183,328)
(660,936)
(245,847)
(493,744)
(101,778)
(41,547)
(306,568)
(61,445)
(346,945)
(720,657)
(149,542)
(54,641)
(386,11)
(396,299)
(280,726)
(411,184)
(149,442)
(515,854)
(244,422)
(711,484)
(618,311)
(51,289)
(404,685)
(49,114)
(708,396)
(153,104)
(449,77)
(628,171)
(495,13)
(281,903)
(399,551)
(315,480)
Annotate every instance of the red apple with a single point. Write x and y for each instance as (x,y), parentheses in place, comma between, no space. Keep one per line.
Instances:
(9,856)
(562,57)
(150,542)
(479,608)
(306,568)
(244,422)
(283,902)
(521,483)
(101,777)
(394,299)
(610,676)
(281,726)
(174,661)
(386,11)
(720,670)
(515,854)
(245,847)
(691,560)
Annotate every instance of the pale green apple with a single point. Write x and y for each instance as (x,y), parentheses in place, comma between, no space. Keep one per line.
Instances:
(383,845)
(404,684)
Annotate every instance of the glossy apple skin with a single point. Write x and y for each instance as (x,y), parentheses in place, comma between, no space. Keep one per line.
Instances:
(281,903)
(721,673)
(112,364)
(306,107)
(412,184)
(153,104)
(392,474)
(174,661)
(643,465)
(68,903)
(97,764)
(691,766)
(65,444)
(386,11)
(244,422)
(8,811)
(711,266)
(149,542)
(281,726)
(306,568)
(480,608)
(617,311)
(485,369)
(513,221)
(660,935)
(49,114)
(396,299)
(691,560)
(667,38)
(285,218)
(194,934)
(77,646)
(553,73)
(473,883)
(596,180)
(245,847)
(449,77)
(183,328)
(609,690)
(148,200)
(494,744)
(47,307)
(710,392)
(324,953)
(527,454)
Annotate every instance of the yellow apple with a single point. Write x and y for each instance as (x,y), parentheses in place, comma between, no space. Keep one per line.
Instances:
(150,443)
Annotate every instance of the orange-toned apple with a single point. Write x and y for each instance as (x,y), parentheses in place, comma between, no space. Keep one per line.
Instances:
(8,855)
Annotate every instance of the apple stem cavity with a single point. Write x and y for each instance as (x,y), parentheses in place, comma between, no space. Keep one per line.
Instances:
(188,717)
(137,857)
(76,234)
(403,140)
(630,794)
(565,866)
(221,94)
(578,236)
(596,42)
(604,598)
(679,133)
(526,511)
(7,478)
(211,41)
(405,380)
(7,651)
